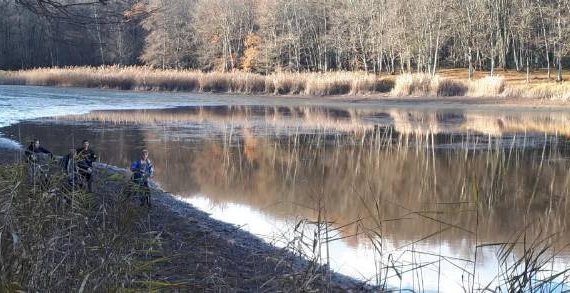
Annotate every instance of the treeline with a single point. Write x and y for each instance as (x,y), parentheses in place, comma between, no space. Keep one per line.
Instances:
(293,35)
(39,34)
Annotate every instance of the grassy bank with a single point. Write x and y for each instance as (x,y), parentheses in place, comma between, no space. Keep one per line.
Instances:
(452,82)
(62,239)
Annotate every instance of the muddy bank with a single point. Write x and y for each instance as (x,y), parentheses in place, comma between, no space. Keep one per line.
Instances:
(196,252)
(206,254)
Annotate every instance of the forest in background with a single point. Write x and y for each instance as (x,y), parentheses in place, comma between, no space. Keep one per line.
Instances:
(265,36)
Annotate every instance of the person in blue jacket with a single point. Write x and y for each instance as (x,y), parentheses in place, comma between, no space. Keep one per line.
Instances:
(143,170)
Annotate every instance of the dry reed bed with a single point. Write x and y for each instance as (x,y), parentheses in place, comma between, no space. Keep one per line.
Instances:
(282,83)
(145,78)
(428,85)
(489,86)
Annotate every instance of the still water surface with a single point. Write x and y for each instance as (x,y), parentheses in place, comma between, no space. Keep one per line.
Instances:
(418,199)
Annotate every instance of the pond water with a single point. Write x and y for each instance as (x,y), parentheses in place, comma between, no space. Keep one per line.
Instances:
(413,198)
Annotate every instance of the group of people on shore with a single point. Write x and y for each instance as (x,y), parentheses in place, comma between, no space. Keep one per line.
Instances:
(78,165)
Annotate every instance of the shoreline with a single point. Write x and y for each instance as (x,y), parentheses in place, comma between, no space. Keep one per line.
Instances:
(197,251)
(364,100)
(177,220)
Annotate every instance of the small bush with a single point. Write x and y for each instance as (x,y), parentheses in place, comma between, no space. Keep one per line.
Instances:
(445,87)
(414,84)
(403,85)
(324,85)
(288,84)
(490,86)
(384,85)
(214,82)
(248,83)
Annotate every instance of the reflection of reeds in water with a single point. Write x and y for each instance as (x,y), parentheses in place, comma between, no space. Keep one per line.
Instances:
(349,174)
(345,120)
(279,117)
(394,187)
(555,123)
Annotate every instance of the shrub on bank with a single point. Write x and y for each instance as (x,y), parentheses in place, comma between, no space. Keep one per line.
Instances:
(428,85)
(288,83)
(57,238)
(489,86)
(249,83)
(446,87)
(9,78)
(551,91)
(413,84)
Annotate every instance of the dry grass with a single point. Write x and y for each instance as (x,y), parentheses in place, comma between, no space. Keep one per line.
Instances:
(449,87)
(559,91)
(57,238)
(489,86)
(516,85)
(67,240)
(149,79)
(428,85)
(449,82)
(287,83)
(454,82)
(414,84)
(512,77)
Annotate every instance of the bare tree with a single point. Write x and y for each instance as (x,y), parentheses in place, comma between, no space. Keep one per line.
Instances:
(295,35)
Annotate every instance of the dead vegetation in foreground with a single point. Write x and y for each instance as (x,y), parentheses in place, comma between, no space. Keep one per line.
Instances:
(62,239)
(447,83)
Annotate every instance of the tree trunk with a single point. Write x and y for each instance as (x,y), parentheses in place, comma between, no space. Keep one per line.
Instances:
(527,69)
(100,40)
(392,62)
(559,77)
(545,40)
(493,63)
(436,53)
(515,57)
(470,57)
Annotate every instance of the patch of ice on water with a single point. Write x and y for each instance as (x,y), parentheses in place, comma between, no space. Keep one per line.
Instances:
(9,144)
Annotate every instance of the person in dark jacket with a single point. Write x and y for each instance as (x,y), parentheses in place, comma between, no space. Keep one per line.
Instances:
(34,149)
(143,170)
(38,159)
(85,156)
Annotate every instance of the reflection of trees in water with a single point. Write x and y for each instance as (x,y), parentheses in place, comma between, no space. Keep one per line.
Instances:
(289,175)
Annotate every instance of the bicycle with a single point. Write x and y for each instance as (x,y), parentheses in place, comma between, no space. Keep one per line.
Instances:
(139,188)
(39,165)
